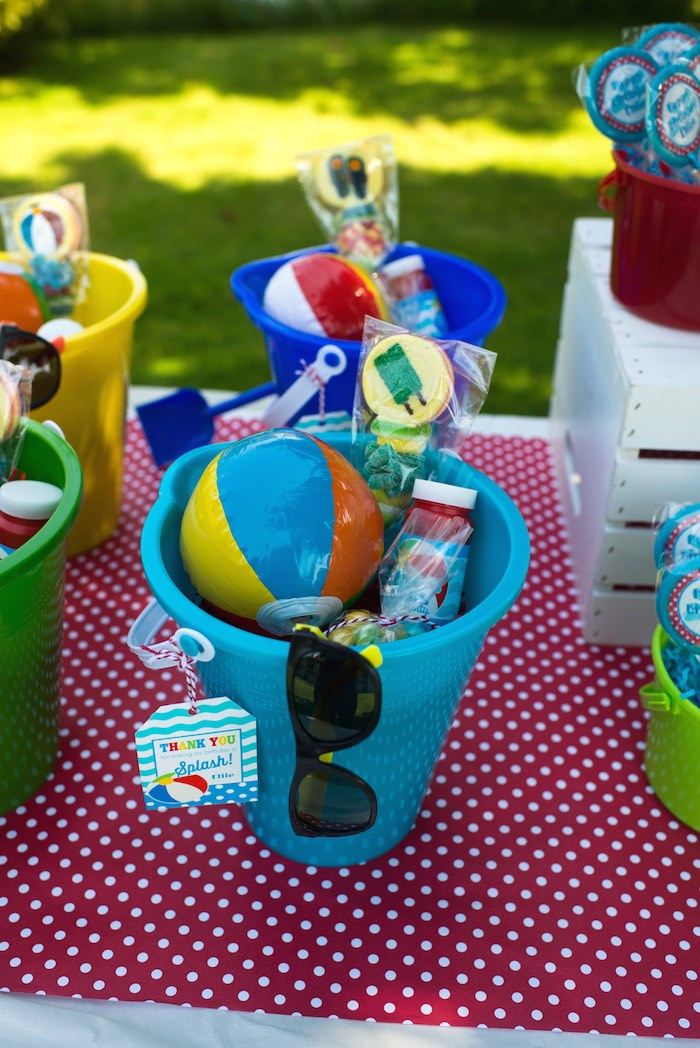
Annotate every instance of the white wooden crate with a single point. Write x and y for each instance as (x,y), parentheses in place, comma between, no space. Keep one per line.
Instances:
(625,422)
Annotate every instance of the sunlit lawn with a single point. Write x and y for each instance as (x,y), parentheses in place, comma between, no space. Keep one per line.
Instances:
(187,148)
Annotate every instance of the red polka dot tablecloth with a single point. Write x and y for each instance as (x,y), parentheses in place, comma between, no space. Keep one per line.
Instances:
(542,887)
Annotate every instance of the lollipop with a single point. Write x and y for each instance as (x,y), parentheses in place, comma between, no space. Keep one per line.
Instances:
(616,96)
(673,117)
(10,401)
(678,604)
(667,41)
(678,538)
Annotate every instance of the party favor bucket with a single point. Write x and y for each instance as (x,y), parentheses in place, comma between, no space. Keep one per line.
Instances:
(31,621)
(90,406)
(473,301)
(655,265)
(422,678)
(672,753)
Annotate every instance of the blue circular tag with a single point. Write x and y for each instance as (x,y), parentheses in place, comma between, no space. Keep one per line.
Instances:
(673,117)
(678,538)
(678,604)
(667,41)
(617,96)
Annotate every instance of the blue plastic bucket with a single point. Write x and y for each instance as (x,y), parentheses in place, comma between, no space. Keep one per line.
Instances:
(423,678)
(472,298)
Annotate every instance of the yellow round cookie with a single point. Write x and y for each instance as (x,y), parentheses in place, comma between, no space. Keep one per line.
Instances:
(407,379)
(348,177)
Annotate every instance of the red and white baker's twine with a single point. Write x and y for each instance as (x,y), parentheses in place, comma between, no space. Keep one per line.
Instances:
(380,620)
(174,654)
(312,373)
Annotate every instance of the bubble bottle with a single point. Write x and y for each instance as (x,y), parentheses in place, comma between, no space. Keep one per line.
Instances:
(25,506)
(414,301)
(423,571)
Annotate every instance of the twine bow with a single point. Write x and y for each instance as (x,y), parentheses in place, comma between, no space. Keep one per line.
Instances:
(167,654)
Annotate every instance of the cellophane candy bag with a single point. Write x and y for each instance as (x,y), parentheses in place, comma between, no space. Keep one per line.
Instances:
(414,395)
(15,399)
(353,191)
(47,235)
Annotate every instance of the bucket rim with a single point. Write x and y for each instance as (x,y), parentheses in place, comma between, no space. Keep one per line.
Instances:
(56,528)
(656,180)
(659,641)
(133,307)
(479,619)
(480,327)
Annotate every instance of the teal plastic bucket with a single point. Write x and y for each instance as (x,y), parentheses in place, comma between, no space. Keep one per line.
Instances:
(423,678)
(473,301)
(31,625)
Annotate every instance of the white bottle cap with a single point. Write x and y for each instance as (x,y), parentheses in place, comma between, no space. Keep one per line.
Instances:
(29,499)
(407,264)
(448,494)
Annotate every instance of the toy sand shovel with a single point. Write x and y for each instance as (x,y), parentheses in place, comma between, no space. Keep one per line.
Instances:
(184,420)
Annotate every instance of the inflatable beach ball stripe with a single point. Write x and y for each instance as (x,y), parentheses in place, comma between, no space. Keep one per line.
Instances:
(280,515)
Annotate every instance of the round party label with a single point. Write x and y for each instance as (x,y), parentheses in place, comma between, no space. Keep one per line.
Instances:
(673,119)
(678,605)
(617,96)
(679,538)
(667,41)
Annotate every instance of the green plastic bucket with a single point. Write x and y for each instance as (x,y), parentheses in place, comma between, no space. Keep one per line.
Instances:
(672,752)
(31,625)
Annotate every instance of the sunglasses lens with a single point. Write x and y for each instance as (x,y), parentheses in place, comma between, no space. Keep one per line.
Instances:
(335,698)
(41,358)
(332,802)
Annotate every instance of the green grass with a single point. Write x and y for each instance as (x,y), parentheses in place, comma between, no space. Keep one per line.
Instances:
(187,146)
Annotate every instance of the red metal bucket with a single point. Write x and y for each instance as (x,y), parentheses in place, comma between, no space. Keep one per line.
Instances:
(655,269)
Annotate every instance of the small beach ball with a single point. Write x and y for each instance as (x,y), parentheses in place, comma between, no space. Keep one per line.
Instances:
(324,294)
(173,789)
(280,516)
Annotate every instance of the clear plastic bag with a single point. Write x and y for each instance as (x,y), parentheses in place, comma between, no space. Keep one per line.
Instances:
(414,395)
(15,399)
(47,235)
(353,191)
(677,559)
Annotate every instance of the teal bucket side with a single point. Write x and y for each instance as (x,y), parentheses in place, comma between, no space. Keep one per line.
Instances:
(423,678)
(31,625)
(473,299)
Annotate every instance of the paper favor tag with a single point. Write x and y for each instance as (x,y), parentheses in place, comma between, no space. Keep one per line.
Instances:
(207,757)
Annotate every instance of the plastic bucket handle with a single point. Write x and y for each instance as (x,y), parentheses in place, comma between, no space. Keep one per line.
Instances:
(148,622)
(609,188)
(657,701)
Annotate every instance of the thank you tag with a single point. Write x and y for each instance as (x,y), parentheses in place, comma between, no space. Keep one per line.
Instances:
(208,756)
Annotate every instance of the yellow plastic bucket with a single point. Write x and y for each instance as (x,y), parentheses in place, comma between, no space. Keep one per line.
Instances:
(90,406)
(672,752)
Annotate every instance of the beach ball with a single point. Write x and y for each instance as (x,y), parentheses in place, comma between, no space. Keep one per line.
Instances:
(21,301)
(324,294)
(174,790)
(48,224)
(279,516)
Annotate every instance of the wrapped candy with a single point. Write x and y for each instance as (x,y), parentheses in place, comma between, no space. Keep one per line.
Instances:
(360,628)
(15,399)
(352,189)
(47,235)
(413,395)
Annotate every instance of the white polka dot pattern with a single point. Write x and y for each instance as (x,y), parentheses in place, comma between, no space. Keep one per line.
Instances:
(543,886)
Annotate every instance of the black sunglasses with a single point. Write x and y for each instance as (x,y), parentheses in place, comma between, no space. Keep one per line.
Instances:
(335,697)
(39,356)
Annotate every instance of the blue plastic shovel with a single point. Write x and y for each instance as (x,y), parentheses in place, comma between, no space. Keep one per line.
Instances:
(184,420)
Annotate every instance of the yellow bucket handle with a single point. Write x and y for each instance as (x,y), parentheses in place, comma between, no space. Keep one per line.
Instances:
(657,701)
